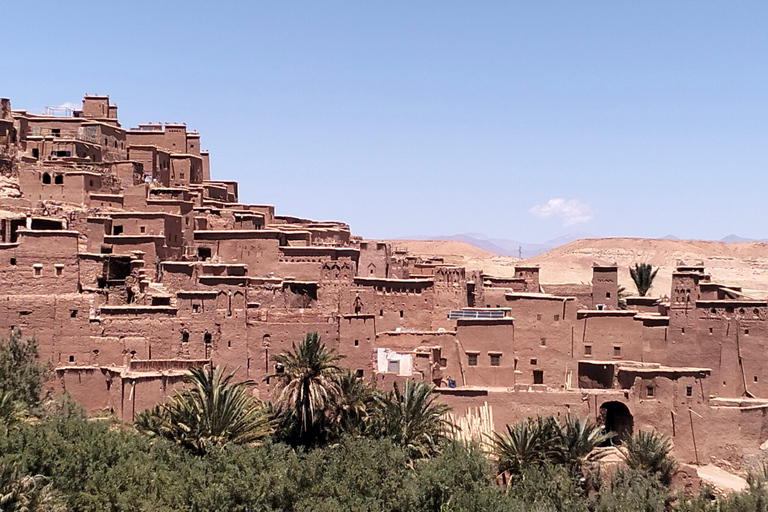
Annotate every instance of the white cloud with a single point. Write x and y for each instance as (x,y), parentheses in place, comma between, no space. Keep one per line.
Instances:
(570,212)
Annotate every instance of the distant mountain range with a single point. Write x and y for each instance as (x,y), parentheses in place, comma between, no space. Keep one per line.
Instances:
(516,248)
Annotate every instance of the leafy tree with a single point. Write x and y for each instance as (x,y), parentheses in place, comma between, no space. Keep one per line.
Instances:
(21,373)
(307,388)
(649,451)
(412,418)
(213,411)
(643,276)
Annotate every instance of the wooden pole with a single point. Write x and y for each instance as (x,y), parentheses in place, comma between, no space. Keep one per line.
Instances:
(693,436)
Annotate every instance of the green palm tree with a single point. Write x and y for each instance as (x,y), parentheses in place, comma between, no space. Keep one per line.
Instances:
(213,411)
(532,441)
(25,493)
(413,418)
(649,451)
(307,388)
(577,439)
(354,404)
(643,276)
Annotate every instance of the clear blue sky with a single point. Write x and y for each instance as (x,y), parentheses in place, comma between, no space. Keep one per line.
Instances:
(434,118)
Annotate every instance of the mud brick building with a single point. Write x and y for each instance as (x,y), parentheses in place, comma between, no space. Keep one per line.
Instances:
(129,264)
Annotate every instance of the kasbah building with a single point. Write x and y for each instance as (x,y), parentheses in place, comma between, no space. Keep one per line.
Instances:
(129,264)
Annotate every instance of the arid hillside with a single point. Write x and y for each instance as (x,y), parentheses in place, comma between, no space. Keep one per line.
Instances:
(742,264)
(460,253)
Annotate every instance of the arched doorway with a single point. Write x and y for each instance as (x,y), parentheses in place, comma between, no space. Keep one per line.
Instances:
(617,418)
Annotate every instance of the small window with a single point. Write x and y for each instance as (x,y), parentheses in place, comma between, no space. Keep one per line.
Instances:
(755,378)
(471,359)
(534,362)
(13,261)
(495,359)
(538,317)
(616,351)
(36,155)
(195,308)
(682,330)
(401,313)
(359,373)
(543,342)
(58,179)
(587,350)
(207,338)
(393,367)
(538,377)
(72,313)
(381,312)
(71,359)
(46,178)
(649,391)
(746,331)
(279,369)
(117,230)
(59,270)
(357,343)
(557,318)
(181,175)
(142,229)
(607,295)
(38,270)
(711,330)
(56,132)
(229,343)
(688,390)
(184,336)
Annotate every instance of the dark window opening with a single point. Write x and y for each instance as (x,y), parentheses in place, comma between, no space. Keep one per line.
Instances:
(471,359)
(38,271)
(59,270)
(279,369)
(495,359)
(746,331)
(229,343)
(616,351)
(207,338)
(36,154)
(13,261)
(161,301)
(73,313)
(557,318)
(755,378)
(401,313)
(204,253)
(381,312)
(184,336)
(46,178)
(543,342)
(538,376)
(195,308)
(71,359)
(649,391)
(56,132)
(142,229)
(117,230)
(688,390)
(607,295)
(357,342)
(587,350)
(534,362)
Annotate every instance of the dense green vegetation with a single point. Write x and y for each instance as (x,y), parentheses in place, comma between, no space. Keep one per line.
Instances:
(330,443)
(643,275)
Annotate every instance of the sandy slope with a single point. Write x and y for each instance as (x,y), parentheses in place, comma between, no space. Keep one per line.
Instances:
(742,264)
(460,253)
